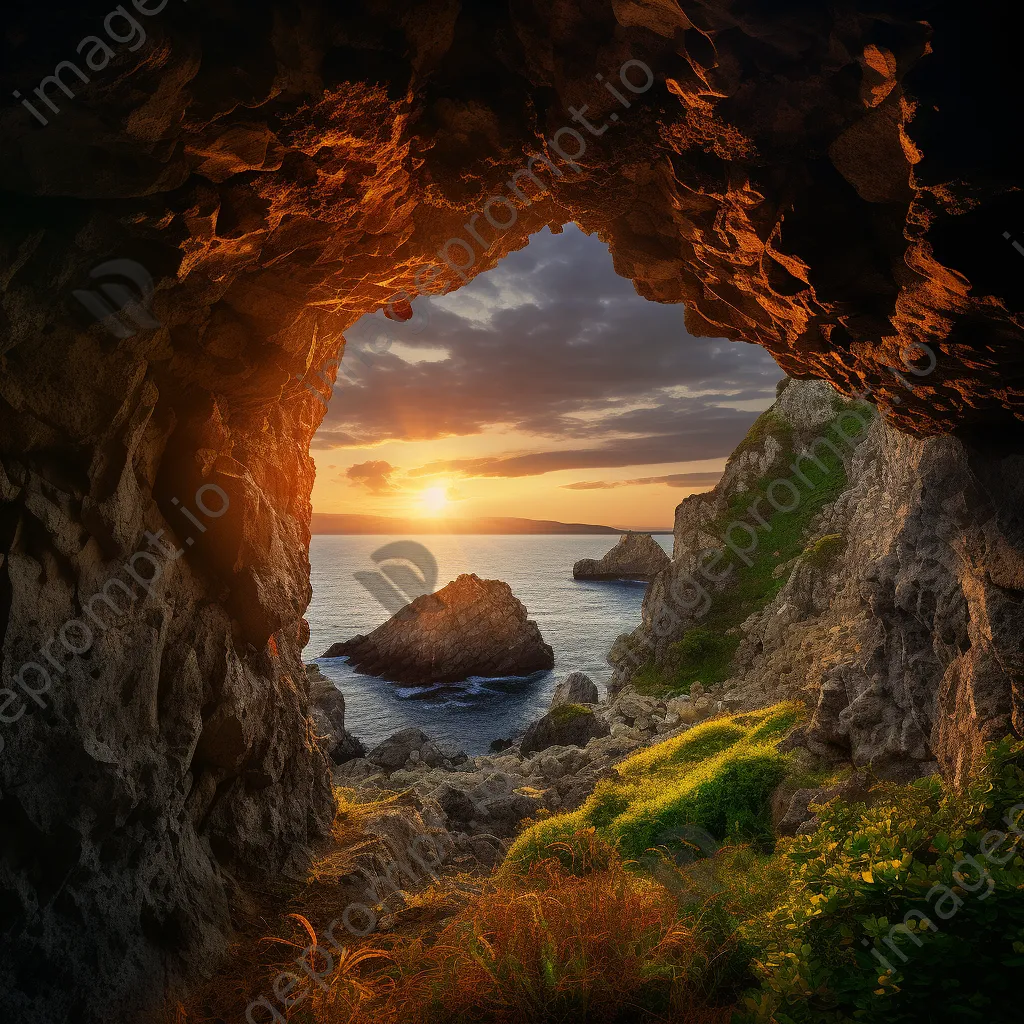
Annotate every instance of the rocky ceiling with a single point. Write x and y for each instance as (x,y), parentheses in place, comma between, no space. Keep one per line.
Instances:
(834,181)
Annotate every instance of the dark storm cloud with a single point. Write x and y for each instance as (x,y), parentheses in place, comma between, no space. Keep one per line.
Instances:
(694,480)
(570,352)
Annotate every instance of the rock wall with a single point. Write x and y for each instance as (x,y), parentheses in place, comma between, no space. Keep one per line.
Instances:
(899,623)
(832,184)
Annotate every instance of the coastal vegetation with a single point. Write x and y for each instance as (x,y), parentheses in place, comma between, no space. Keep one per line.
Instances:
(906,906)
(705,651)
(718,776)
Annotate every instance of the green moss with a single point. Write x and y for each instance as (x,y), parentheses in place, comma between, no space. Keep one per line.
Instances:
(705,651)
(718,776)
(768,424)
(567,712)
(825,550)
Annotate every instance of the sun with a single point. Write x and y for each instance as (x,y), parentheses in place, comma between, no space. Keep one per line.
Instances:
(434,500)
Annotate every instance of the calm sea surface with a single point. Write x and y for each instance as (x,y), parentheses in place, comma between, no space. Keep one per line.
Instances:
(580,620)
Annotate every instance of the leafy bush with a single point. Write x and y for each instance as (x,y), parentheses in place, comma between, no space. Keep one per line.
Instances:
(895,913)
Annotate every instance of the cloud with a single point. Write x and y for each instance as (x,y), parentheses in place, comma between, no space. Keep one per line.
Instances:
(694,480)
(719,434)
(550,343)
(374,476)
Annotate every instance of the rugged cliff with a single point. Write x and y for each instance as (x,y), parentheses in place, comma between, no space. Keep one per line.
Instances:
(876,576)
(832,183)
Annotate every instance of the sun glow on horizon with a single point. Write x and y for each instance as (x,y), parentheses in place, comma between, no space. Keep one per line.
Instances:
(433,501)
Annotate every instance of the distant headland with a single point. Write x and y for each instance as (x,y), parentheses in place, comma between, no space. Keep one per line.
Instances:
(336,523)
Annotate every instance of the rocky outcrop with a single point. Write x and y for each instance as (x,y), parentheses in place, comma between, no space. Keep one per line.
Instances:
(898,619)
(484,800)
(833,182)
(471,627)
(575,688)
(567,725)
(413,746)
(636,556)
(327,709)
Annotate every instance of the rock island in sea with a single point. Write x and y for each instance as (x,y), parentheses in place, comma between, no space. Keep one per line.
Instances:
(471,627)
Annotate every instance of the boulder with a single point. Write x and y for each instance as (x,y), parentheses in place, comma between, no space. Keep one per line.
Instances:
(396,750)
(575,688)
(327,709)
(471,627)
(637,556)
(568,725)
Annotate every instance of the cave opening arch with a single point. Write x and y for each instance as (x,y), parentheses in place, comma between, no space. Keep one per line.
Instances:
(809,180)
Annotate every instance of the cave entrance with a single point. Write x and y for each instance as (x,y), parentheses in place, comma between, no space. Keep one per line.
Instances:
(505,429)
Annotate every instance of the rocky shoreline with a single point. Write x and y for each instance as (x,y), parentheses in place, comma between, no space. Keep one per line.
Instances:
(476,804)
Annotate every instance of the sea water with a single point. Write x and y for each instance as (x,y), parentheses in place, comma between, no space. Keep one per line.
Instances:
(579,619)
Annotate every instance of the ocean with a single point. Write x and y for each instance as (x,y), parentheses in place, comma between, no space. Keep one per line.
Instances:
(579,619)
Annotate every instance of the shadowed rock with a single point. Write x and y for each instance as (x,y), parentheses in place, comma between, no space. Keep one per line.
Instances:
(568,725)
(637,556)
(575,688)
(472,627)
(327,709)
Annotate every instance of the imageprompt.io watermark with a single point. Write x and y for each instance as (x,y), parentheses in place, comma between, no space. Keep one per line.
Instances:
(407,570)
(121,310)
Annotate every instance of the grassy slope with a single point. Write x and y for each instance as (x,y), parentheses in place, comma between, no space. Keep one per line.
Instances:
(718,776)
(705,651)
(791,936)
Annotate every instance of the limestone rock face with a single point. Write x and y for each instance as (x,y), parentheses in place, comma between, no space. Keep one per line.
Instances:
(636,556)
(327,709)
(899,623)
(471,627)
(575,688)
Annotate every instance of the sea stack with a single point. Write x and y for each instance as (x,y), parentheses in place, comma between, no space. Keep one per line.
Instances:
(637,556)
(471,627)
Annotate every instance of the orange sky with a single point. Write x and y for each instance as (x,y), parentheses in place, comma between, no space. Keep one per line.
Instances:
(545,374)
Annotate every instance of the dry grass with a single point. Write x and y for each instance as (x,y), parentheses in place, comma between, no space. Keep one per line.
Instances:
(554,947)
(275,926)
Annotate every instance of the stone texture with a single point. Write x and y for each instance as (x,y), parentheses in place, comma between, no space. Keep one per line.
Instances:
(575,688)
(829,182)
(327,709)
(636,556)
(565,725)
(905,640)
(482,801)
(471,627)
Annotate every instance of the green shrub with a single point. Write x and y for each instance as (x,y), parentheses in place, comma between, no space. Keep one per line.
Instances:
(895,914)
(702,654)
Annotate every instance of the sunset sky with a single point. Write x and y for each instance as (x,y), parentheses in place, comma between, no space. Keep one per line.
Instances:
(547,389)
